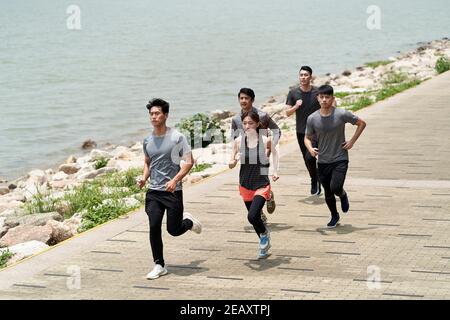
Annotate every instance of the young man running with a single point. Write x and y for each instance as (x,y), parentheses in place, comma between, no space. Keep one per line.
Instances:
(163,150)
(246,98)
(328,125)
(253,149)
(303,102)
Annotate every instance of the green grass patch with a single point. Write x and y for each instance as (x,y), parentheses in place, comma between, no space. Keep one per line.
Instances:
(200,167)
(391,90)
(395,78)
(442,65)
(4,257)
(341,95)
(100,199)
(375,64)
(100,163)
(362,102)
(41,203)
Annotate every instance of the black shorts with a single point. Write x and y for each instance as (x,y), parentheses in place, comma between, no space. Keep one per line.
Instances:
(172,202)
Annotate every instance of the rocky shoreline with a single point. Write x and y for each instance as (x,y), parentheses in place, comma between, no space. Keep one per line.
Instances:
(23,233)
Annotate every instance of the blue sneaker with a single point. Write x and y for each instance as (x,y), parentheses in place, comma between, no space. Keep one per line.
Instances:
(263,254)
(264,241)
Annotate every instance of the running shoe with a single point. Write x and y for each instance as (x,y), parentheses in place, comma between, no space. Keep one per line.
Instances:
(345,205)
(264,218)
(271,205)
(333,222)
(196,225)
(315,187)
(264,241)
(157,272)
(263,254)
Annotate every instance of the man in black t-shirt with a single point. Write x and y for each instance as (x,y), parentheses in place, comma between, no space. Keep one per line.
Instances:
(303,101)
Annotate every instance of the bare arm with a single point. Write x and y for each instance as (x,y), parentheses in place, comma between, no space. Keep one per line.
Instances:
(234,154)
(361,125)
(290,110)
(308,143)
(146,173)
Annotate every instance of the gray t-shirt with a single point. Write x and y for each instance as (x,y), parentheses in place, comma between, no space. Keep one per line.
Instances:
(330,133)
(165,153)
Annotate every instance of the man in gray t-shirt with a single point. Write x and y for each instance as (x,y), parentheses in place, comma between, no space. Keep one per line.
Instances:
(327,125)
(330,133)
(164,149)
(165,153)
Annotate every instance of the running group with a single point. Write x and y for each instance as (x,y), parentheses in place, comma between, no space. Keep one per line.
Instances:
(320,128)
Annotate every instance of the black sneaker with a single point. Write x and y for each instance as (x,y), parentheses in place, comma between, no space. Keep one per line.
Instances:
(314,187)
(271,205)
(345,205)
(319,188)
(264,218)
(333,222)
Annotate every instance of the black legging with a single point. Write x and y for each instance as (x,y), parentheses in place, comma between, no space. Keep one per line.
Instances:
(156,203)
(309,160)
(254,213)
(332,178)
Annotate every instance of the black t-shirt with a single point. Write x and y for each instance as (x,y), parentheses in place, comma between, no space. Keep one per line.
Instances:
(310,105)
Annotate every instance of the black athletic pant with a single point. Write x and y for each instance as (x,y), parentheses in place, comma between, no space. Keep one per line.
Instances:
(254,213)
(310,161)
(332,177)
(156,202)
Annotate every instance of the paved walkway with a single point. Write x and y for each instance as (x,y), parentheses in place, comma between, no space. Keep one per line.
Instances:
(396,231)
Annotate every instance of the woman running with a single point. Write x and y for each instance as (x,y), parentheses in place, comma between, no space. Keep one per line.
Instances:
(253,149)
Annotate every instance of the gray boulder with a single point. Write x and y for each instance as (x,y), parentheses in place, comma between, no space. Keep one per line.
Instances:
(69,168)
(37,219)
(26,233)
(4,190)
(25,250)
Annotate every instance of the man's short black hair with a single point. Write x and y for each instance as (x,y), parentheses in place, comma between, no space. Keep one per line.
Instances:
(306,68)
(326,89)
(157,102)
(247,91)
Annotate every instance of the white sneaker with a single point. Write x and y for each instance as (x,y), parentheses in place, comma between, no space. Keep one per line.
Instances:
(196,225)
(157,272)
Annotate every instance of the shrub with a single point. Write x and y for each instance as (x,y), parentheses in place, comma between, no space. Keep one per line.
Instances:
(210,130)
(100,163)
(442,65)
(4,257)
